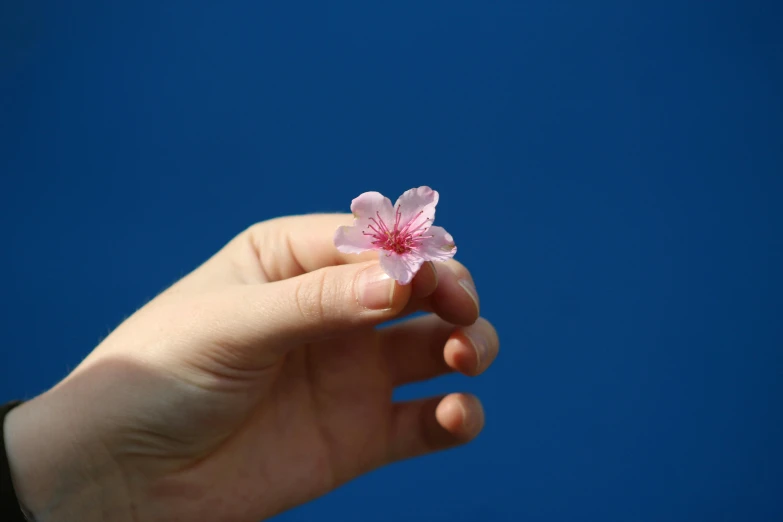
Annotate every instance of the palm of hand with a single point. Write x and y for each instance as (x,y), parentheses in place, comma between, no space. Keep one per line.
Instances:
(325,418)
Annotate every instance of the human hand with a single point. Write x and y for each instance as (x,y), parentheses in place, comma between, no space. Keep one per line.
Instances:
(254,384)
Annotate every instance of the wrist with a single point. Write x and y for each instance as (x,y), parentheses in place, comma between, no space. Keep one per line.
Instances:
(61,471)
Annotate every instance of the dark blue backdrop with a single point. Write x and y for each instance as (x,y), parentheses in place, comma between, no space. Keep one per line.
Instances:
(612,175)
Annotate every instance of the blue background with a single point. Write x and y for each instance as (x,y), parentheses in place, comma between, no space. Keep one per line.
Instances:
(612,175)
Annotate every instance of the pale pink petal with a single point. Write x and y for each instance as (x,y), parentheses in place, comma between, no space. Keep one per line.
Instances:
(439,247)
(371,205)
(351,240)
(416,207)
(400,267)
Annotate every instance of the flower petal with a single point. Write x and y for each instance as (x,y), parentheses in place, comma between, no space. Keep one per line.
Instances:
(416,206)
(351,240)
(370,205)
(401,267)
(439,247)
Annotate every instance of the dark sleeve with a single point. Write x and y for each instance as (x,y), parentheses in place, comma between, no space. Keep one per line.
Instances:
(9,505)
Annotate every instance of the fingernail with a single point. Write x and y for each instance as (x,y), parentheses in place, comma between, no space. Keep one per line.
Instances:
(424,286)
(468,286)
(479,345)
(434,271)
(464,413)
(375,289)
(472,421)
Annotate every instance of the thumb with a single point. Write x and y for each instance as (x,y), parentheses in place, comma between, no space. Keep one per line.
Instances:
(312,306)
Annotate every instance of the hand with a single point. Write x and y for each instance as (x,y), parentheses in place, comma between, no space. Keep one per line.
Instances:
(256,383)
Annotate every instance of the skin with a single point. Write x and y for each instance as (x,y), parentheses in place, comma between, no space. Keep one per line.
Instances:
(254,384)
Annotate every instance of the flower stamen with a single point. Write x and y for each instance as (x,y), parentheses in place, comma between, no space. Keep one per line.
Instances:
(400,240)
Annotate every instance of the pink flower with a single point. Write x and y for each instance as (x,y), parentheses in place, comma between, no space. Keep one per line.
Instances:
(403,234)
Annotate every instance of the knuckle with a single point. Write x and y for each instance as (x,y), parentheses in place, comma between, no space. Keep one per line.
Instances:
(310,295)
(256,232)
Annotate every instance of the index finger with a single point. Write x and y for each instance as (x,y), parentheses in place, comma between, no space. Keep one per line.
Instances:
(273,250)
(293,245)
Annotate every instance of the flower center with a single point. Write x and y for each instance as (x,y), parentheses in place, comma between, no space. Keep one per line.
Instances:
(398,239)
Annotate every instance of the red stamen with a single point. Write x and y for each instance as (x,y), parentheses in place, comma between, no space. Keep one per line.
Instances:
(398,240)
